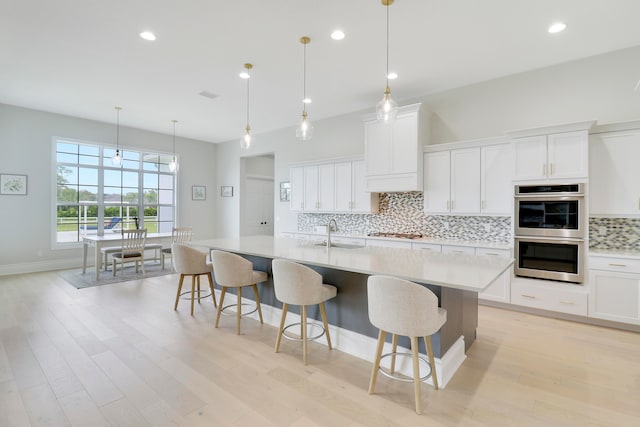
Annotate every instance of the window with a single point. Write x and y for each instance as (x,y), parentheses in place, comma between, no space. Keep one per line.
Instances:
(92,195)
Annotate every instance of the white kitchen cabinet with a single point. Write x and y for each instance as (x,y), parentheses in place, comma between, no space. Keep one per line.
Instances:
(500,289)
(496,174)
(448,249)
(614,173)
(549,295)
(350,189)
(432,247)
(296,178)
(319,188)
(552,153)
(452,181)
(393,151)
(614,289)
(389,243)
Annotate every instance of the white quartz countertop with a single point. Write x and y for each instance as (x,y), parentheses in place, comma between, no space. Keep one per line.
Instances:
(451,270)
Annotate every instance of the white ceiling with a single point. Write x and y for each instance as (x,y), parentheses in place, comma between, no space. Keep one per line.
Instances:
(81,58)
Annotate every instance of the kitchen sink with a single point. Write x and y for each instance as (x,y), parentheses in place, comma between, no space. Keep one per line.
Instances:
(340,245)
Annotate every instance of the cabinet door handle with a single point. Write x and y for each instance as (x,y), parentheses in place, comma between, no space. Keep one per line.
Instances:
(448,204)
(544,169)
(550,168)
(618,265)
(483,204)
(529,296)
(453,204)
(491,253)
(567,302)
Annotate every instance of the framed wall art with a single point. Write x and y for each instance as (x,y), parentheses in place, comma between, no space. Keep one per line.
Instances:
(13,184)
(226,191)
(285,191)
(198,192)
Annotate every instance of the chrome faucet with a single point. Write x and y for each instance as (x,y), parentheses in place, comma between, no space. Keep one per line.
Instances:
(332,226)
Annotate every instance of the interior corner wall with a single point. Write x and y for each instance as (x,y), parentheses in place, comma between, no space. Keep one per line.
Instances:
(26,143)
(596,88)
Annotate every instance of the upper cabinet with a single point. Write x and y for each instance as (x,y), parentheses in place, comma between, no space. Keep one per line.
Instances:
(473,179)
(614,172)
(552,153)
(393,151)
(331,187)
(350,189)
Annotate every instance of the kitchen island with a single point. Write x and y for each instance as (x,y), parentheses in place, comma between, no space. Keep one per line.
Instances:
(455,278)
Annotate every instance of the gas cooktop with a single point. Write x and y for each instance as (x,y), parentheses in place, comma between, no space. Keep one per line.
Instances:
(398,235)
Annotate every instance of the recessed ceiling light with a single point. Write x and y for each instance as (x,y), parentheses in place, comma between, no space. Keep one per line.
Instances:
(392,76)
(337,35)
(148,35)
(557,27)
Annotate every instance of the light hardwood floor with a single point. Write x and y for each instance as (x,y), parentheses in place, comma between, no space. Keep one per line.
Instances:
(119,355)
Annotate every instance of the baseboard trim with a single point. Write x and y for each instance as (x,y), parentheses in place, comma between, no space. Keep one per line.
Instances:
(36,267)
(562,316)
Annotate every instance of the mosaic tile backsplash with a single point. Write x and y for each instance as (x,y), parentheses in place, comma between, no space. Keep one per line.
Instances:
(402,213)
(613,233)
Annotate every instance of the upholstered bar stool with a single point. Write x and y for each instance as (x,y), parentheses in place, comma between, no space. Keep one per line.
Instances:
(405,308)
(299,285)
(188,261)
(234,271)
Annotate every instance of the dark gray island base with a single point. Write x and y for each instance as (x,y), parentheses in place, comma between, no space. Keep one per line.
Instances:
(349,309)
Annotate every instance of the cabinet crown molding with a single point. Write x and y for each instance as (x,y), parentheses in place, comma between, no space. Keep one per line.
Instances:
(328,160)
(566,127)
(482,142)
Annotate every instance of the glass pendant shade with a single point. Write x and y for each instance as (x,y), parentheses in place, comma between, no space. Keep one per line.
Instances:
(117,158)
(247,139)
(304,132)
(173,164)
(387,108)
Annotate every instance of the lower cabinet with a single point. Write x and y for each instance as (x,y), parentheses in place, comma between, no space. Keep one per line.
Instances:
(547,295)
(500,289)
(614,289)
(389,243)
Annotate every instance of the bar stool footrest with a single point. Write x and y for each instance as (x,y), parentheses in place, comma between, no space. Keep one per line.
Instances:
(196,292)
(403,379)
(224,313)
(312,324)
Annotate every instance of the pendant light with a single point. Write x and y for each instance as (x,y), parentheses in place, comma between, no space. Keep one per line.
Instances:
(173,164)
(117,158)
(387,108)
(247,139)
(304,132)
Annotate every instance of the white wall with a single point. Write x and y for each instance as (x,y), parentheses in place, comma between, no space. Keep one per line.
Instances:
(26,148)
(600,88)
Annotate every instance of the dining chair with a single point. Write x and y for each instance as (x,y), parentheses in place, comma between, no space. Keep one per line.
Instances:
(178,235)
(132,249)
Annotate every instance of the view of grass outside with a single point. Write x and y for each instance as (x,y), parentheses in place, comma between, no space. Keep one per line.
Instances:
(90,188)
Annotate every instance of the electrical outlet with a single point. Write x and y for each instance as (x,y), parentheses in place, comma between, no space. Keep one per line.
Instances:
(602,231)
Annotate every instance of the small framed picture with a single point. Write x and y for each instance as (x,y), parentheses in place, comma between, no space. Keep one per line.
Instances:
(198,192)
(226,191)
(13,184)
(285,191)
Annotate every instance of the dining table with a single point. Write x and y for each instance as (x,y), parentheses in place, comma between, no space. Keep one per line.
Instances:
(115,239)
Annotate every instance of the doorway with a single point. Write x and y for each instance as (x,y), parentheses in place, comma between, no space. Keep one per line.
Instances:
(257,195)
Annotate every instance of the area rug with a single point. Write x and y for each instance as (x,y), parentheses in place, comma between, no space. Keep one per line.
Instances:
(77,279)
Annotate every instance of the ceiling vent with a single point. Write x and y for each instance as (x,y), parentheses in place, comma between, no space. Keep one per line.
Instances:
(208,94)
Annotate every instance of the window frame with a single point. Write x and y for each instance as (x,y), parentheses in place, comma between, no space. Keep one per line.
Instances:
(144,156)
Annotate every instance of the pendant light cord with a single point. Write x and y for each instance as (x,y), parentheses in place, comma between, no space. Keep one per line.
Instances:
(248,99)
(304,78)
(174,138)
(117,129)
(387,6)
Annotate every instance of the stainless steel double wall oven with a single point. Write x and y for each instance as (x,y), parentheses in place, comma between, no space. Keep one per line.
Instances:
(550,231)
